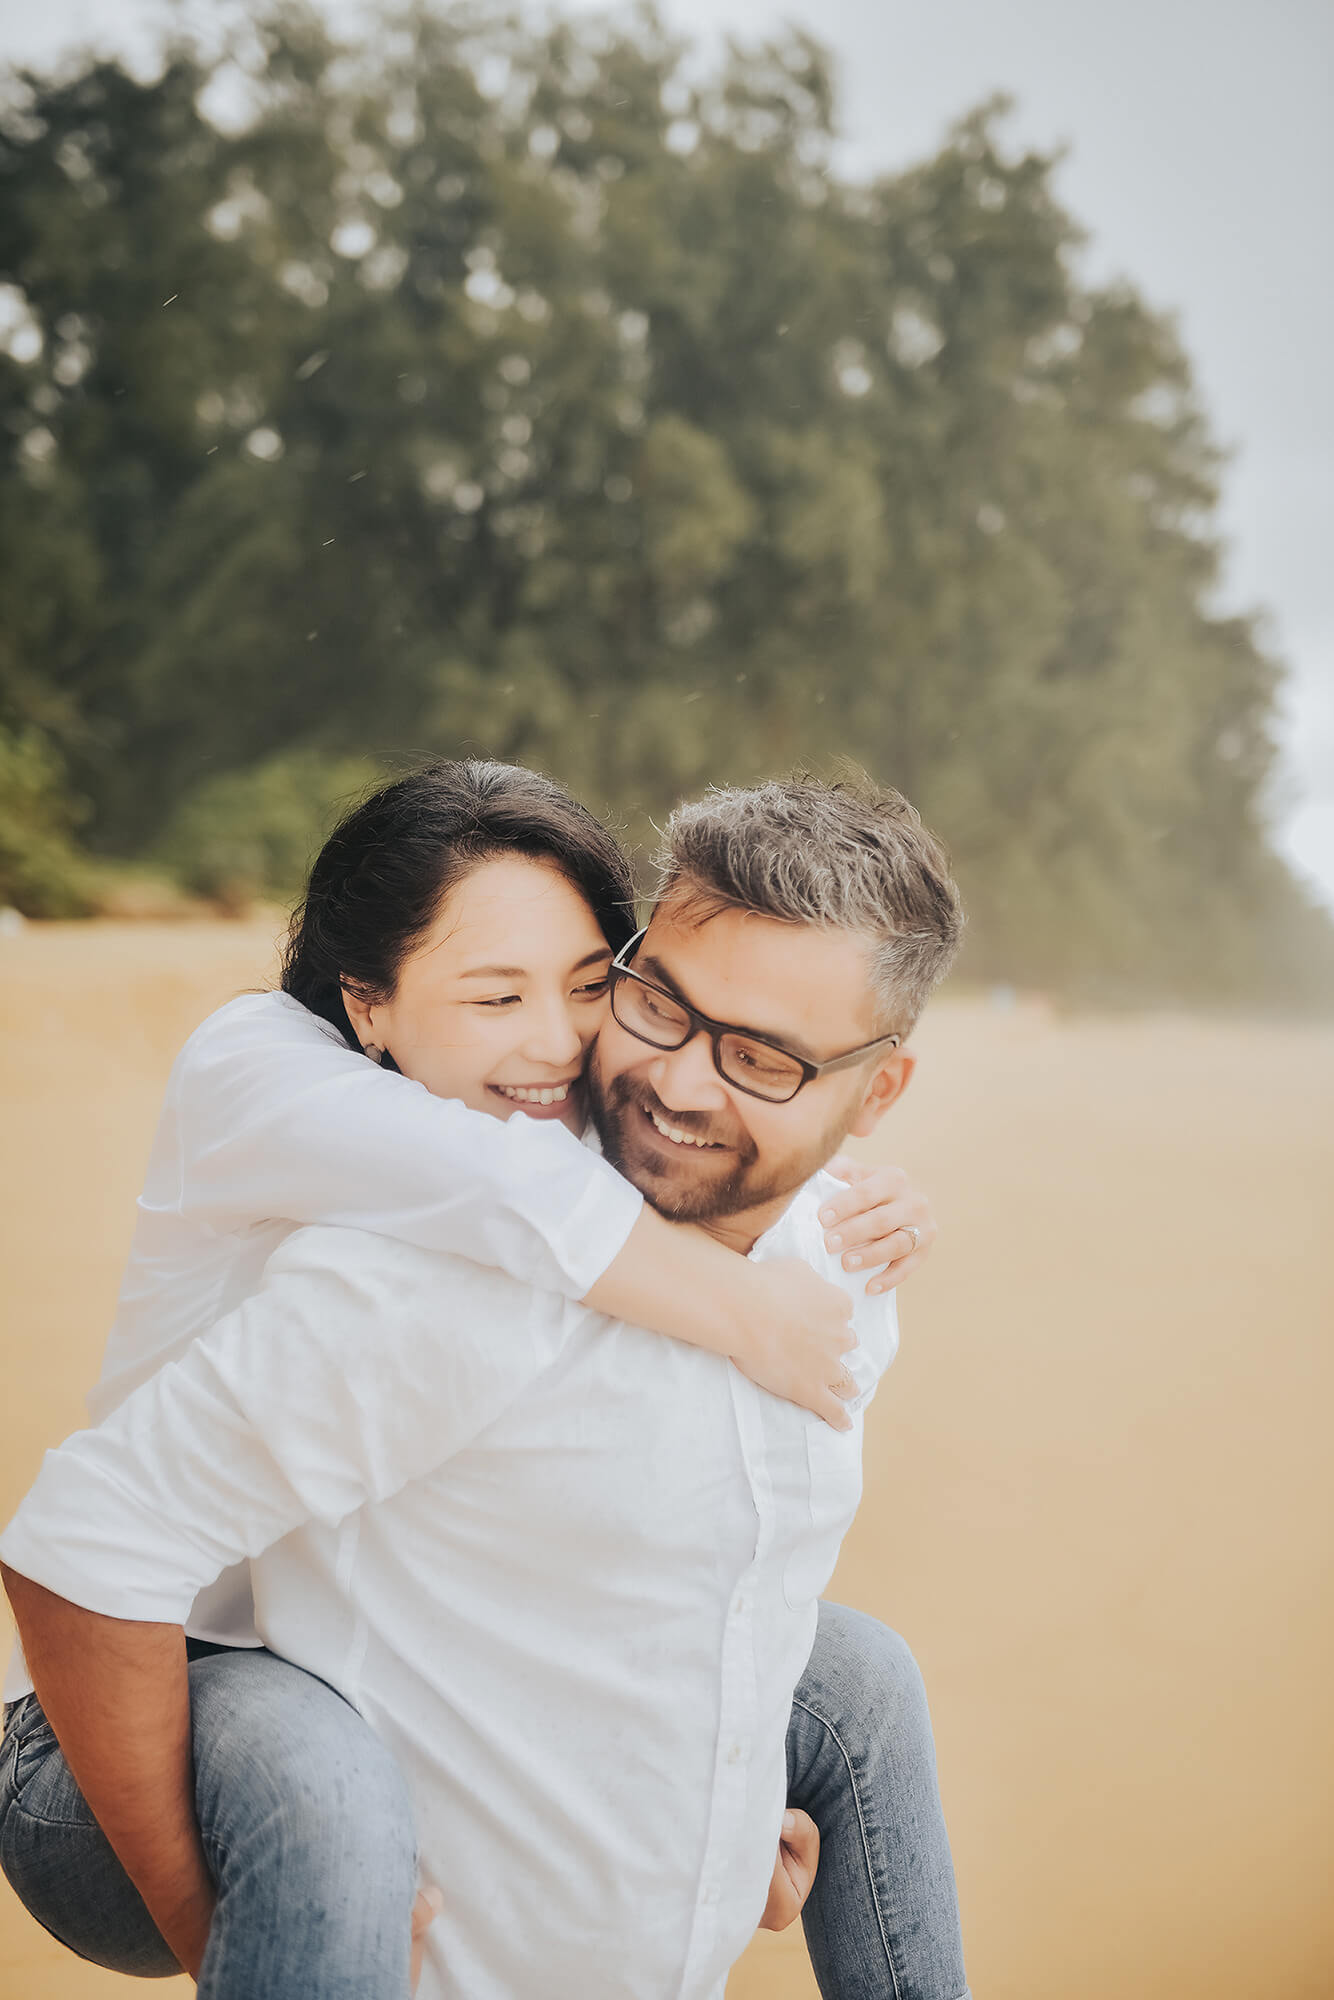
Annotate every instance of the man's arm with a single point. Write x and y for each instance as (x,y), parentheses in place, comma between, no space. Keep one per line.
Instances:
(140,1693)
(357,1366)
(118,1698)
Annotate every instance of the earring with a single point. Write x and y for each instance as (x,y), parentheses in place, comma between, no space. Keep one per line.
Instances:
(373,1050)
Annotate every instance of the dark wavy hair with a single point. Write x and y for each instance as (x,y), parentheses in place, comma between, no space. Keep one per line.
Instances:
(383,873)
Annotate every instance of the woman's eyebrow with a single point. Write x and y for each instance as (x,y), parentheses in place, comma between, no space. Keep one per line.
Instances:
(521,971)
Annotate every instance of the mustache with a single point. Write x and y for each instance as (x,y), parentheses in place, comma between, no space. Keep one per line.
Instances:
(624,1093)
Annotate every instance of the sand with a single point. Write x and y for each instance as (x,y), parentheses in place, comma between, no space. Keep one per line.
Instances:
(1098,1493)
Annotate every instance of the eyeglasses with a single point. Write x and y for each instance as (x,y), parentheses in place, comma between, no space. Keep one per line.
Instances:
(748,1062)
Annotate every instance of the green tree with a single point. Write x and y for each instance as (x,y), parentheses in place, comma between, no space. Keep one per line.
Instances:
(42,873)
(518,390)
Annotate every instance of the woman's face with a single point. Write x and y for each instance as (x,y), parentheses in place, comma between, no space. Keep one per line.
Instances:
(498,1003)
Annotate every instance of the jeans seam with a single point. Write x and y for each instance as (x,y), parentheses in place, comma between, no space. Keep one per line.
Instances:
(825,1723)
(17,1805)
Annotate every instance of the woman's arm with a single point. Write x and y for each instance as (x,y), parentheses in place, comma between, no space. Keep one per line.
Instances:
(269,1114)
(274,1116)
(782,1325)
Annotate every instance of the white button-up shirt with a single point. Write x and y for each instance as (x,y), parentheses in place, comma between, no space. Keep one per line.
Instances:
(269,1121)
(566,1568)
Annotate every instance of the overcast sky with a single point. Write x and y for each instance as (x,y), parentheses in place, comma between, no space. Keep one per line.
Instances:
(1200,139)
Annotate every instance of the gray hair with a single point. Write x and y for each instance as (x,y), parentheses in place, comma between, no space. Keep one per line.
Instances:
(847,856)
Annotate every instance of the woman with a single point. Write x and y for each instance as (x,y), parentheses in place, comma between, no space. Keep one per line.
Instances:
(273,1120)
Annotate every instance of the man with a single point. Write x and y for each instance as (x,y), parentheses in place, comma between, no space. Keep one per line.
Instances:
(574,1606)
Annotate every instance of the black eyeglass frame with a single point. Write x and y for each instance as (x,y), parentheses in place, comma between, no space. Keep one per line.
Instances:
(697,1023)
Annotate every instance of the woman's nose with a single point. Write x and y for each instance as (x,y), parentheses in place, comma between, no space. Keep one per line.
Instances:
(553,1037)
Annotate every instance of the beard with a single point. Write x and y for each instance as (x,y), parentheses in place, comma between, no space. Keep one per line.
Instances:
(688,1184)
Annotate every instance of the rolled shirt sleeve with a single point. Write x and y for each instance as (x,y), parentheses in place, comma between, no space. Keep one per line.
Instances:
(272,1115)
(359,1365)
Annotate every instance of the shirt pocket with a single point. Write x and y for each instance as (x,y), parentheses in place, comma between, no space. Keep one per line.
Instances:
(834,1486)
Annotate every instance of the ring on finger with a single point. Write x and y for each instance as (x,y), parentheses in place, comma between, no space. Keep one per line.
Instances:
(911,1229)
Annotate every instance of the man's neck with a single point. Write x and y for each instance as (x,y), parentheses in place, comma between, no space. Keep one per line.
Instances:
(744,1230)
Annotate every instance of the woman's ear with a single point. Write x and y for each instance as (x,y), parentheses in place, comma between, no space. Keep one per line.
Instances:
(359,1012)
(889,1081)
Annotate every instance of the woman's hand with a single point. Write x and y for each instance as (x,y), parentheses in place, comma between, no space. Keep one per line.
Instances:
(783,1326)
(880,1221)
(794,1871)
(793,1332)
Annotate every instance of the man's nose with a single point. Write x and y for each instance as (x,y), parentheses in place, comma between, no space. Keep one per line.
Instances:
(685,1078)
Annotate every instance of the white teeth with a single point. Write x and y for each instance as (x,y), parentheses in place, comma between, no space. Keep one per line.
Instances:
(530,1094)
(677,1137)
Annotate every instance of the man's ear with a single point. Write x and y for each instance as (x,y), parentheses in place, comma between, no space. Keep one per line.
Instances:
(889,1081)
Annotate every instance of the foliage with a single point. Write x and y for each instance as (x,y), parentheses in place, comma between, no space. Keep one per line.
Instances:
(42,873)
(253,834)
(525,391)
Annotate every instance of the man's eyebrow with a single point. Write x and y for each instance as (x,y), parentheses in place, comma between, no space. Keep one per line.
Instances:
(521,971)
(654,968)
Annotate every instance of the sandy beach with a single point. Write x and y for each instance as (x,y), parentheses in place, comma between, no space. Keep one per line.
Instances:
(1098,1486)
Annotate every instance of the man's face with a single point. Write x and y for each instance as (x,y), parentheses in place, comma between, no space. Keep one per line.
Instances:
(697,1147)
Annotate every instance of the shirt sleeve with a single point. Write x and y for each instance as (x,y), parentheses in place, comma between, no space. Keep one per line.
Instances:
(358,1365)
(875,1319)
(276,1117)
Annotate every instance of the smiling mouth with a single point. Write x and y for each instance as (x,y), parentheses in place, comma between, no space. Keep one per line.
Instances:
(677,1137)
(535,1093)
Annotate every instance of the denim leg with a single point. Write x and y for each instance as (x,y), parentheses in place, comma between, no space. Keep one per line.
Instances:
(58,1861)
(307,1827)
(309,1830)
(882,1921)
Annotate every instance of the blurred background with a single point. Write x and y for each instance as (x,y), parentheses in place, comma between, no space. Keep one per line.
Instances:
(674,397)
(658,408)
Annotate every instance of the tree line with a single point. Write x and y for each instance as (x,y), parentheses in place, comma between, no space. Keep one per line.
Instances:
(544,393)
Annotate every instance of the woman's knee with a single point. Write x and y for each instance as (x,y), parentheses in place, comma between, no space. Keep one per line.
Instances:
(289,1775)
(61,1866)
(859,1669)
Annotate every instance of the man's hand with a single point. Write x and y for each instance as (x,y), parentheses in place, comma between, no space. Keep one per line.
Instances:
(794,1871)
(881,1220)
(425,1910)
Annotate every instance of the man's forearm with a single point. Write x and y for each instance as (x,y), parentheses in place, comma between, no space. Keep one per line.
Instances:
(117,1695)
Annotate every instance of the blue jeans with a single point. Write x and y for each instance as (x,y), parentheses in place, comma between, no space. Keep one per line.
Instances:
(308,1829)
(882,1920)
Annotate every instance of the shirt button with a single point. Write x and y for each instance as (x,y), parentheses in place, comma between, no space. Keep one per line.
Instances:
(735,1754)
(740,1604)
(709,1894)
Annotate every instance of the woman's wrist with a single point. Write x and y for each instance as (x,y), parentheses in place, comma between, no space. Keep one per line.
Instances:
(677,1280)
